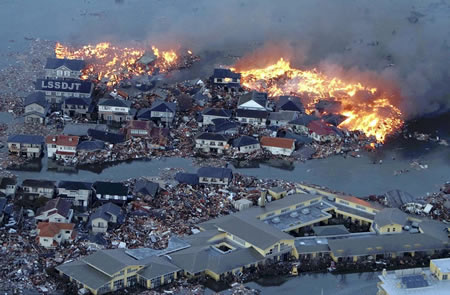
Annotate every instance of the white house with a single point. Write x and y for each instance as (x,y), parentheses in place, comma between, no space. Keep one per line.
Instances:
(34,188)
(253,101)
(321,132)
(104,216)
(163,111)
(58,68)
(215,175)
(77,192)
(52,234)
(246,144)
(56,210)
(36,108)
(210,114)
(8,185)
(278,145)
(61,146)
(211,143)
(115,110)
(281,119)
(252,117)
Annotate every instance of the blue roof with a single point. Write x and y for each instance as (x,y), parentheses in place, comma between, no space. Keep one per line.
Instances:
(217,112)
(188,178)
(225,73)
(75,86)
(92,145)
(290,103)
(244,141)
(75,185)
(163,106)
(241,113)
(144,113)
(72,64)
(215,172)
(37,98)
(225,125)
(26,138)
(114,102)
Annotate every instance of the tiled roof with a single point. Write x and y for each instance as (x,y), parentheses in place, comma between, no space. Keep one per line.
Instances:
(285,143)
(163,106)
(51,229)
(63,140)
(320,128)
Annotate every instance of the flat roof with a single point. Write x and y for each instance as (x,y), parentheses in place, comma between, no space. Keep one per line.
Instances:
(443,264)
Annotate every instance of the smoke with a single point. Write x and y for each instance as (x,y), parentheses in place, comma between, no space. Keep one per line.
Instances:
(404,44)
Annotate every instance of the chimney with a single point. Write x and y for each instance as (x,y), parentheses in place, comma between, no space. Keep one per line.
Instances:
(262,199)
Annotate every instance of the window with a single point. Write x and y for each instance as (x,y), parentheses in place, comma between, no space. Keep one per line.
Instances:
(67,231)
(48,93)
(388,230)
(156,282)
(118,284)
(58,93)
(59,73)
(445,277)
(361,207)
(67,73)
(131,281)
(393,229)
(343,202)
(219,80)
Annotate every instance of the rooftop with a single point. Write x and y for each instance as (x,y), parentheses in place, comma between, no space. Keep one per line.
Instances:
(215,172)
(26,138)
(51,229)
(64,140)
(71,64)
(279,142)
(443,264)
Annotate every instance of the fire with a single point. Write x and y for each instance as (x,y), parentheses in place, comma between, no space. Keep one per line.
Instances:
(113,63)
(376,116)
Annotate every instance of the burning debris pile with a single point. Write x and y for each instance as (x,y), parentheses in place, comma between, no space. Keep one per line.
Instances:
(364,108)
(112,64)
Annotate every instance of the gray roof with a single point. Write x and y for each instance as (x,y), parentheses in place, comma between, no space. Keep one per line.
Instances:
(72,64)
(241,113)
(26,138)
(84,273)
(330,230)
(4,181)
(303,120)
(37,98)
(258,97)
(283,116)
(62,207)
(111,261)
(75,185)
(91,145)
(311,245)
(158,267)
(290,103)
(163,106)
(114,102)
(111,188)
(105,212)
(225,73)
(380,244)
(146,187)
(215,172)
(244,141)
(436,229)
(390,216)
(188,178)
(211,136)
(38,183)
(397,198)
(217,112)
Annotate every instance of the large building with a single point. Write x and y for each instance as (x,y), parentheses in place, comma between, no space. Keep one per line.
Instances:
(257,235)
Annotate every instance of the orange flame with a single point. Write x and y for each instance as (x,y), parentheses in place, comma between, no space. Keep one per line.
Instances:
(378,117)
(115,63)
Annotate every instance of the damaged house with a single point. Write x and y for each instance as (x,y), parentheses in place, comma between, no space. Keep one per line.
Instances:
(105,216)
(61,146)
(77,107)
(136,128)
(52,234)
(253,101)
(321,132)
(8,185)
(34,188)
(163,111)
(111,191)
(246,144)
(115,111)
(36,108)
(289,104)
(210,114)
(282,119)
(252,117)
(215,175)
(227,78)
(55,210)
(278,145)
(27,146)
(211,143)
(77,192)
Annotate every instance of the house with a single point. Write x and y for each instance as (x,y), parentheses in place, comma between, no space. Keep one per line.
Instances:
(56,90)
(320,131)
(34,188)
(146,188)
(52,234)
(82,129)
(187,178)
(135,128)
(55,210)
(210,114)
(77,192)
(390,220)
(36,108)
(281,119)
(214,175)
(58,68)
(90,146)
(225,77)
(115,110)
(252,117)
(106,215)
(163,111)
(246,144)
(289,103)
(211,143)
(253,101)
(225,127)
(8,185)
(278,145)
(76,106)
(27,146)
(300,124)
(111,191)
(105,136)
(61,146)
(328,106)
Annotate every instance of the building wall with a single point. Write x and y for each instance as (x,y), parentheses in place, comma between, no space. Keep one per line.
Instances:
(25,150)
(46,242)
(390,228)
(62,73)
(249,148)
(34,107)
(58,96)
(206,145)
(207,119)
(438,273)
(111,197)
(77,197)
(46,192)
(71,110)
(279,151)
(211,180)
(354,205)
(34,119)
(252,121)
(99,225)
